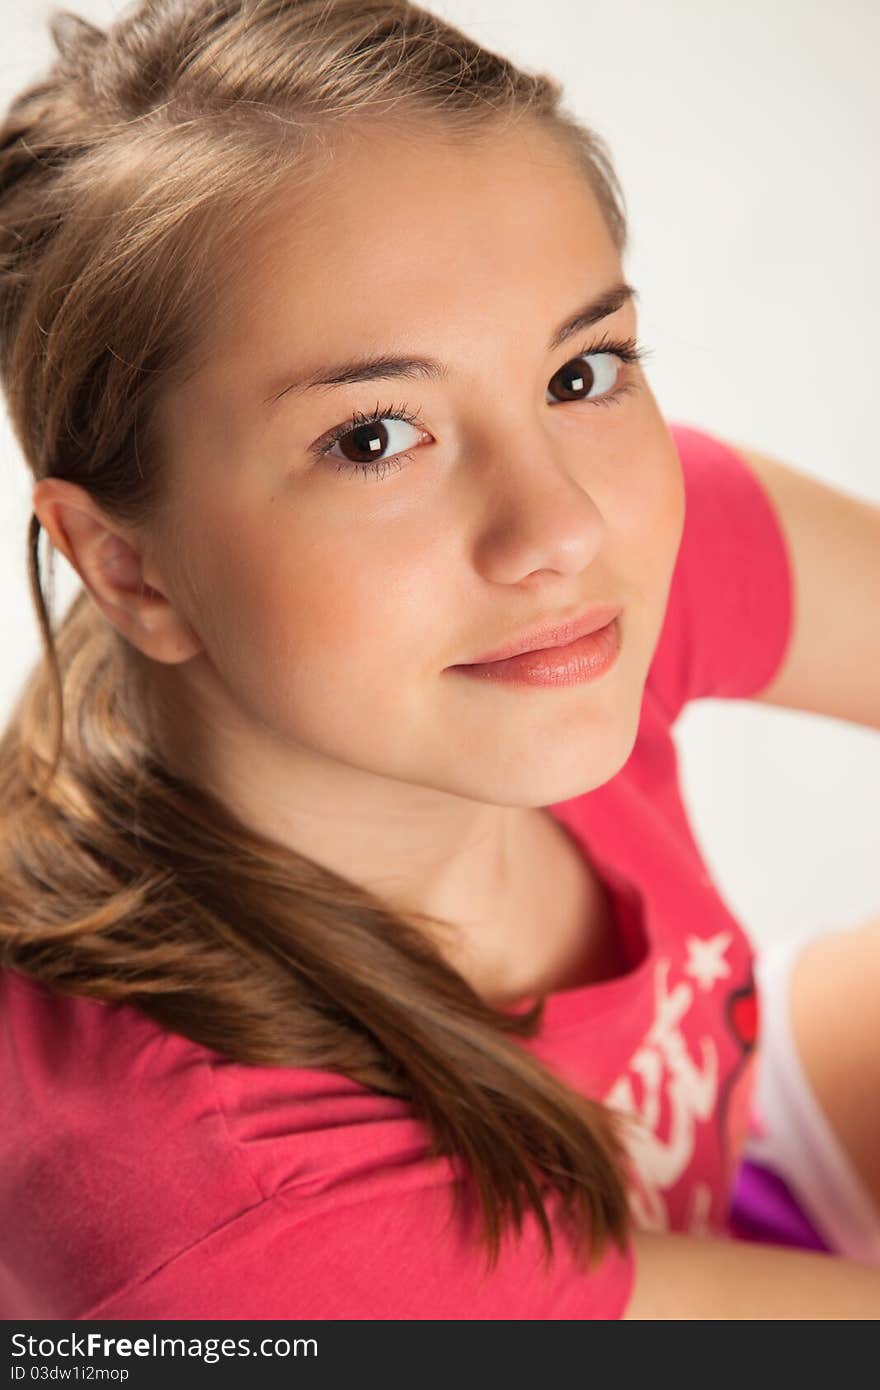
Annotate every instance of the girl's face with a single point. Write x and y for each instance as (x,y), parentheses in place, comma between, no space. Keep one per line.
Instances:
(334,584)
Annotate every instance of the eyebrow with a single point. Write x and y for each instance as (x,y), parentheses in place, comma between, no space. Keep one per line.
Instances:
(383,367)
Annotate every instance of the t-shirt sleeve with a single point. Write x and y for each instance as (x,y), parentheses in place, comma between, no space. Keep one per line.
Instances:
(729,611)
(401,1257)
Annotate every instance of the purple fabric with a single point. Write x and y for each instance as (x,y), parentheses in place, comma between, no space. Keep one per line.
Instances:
(764,1209)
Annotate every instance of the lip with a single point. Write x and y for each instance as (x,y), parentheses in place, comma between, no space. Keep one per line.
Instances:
(550,636)
(573,663)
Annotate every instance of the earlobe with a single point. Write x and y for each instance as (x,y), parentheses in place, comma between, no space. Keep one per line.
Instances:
(111,567)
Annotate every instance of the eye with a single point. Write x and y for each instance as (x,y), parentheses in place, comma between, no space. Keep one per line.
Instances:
(590,375)
(377,440)
(375,443)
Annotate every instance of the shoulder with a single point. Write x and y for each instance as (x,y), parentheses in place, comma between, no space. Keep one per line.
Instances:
(113,1149)
(730,604)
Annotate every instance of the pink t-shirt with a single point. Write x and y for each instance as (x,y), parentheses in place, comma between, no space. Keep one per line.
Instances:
(143,1176)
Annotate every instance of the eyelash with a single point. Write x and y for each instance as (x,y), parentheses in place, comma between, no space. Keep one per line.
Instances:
(628,350)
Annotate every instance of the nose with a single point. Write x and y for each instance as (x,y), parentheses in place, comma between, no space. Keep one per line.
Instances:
(536,511)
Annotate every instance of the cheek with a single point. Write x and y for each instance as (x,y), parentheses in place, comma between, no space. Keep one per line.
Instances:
(645,517)
(294,610)
(643,505)
(657,505)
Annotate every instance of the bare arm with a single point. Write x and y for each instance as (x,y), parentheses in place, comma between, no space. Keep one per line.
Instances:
(682,1277)
(835,1005)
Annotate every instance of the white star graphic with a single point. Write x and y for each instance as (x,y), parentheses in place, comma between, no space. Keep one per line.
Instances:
(705,963)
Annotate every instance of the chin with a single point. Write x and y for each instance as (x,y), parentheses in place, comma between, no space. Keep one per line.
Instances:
(573,765)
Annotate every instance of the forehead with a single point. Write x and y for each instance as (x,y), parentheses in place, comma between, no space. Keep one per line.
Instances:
(415,223)
(407,242)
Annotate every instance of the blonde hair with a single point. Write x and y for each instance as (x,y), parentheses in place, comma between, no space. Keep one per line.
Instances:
(128,174)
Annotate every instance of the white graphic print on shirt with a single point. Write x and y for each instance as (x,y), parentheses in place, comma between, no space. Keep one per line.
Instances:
(662,1066)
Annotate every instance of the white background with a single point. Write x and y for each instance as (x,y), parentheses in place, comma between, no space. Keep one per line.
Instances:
(745,135)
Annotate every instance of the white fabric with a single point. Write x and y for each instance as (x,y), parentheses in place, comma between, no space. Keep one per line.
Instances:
(800,1145)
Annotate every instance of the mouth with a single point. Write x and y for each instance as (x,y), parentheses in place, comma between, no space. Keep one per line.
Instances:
(583,657)
(548,635)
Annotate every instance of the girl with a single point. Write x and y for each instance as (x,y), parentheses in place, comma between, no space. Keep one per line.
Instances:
(358,958)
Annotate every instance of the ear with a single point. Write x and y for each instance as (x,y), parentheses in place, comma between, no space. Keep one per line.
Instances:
(112,563)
